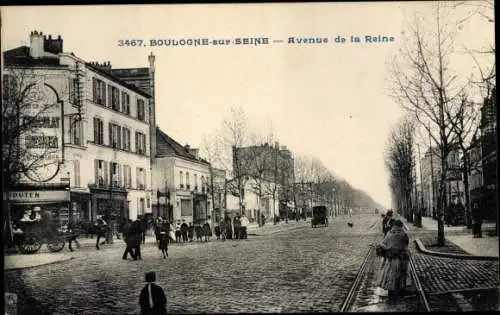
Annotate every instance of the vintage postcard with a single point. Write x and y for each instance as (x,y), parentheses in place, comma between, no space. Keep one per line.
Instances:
(253,158)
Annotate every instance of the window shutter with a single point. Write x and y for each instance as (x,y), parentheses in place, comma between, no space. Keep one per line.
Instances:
(119,172)
(110,133)
(110,97)
(125,177)
(137,177)
(94,89)
(105,172)
(96,171)
(136,142)
(129,172)
(119,136)
(144,179)
(103,93)
(96,130)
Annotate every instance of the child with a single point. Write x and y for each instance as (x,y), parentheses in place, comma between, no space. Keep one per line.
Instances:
(152,299)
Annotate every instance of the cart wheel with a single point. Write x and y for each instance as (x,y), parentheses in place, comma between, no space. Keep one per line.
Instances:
(30,245)
(56,245)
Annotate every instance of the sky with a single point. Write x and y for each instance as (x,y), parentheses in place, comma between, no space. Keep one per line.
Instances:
(325,100)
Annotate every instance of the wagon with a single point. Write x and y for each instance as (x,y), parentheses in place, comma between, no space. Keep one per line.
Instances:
(319,216)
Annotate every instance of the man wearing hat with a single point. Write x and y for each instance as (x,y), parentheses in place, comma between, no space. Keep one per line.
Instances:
(152,299)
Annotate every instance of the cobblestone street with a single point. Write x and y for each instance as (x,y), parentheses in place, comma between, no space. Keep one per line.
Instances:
(295,270)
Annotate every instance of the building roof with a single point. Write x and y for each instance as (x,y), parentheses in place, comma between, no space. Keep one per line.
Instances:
(114,78)
(167,146)
(131,72)
(20,56)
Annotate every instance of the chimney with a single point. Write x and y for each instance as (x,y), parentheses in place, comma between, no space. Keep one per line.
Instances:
(151,58)
(53,45)
(36,44)
(194,152)
(187,147)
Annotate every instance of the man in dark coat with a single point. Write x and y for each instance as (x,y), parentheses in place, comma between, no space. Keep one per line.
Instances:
(100,227)
(191,231)
(128,240)
(184,231)
(135,237)
(152,299)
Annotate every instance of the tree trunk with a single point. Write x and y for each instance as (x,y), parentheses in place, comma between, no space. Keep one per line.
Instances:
(465,174)
(442,201)
(8,235)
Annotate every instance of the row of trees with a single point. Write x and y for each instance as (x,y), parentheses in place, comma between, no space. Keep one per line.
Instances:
(268,175)
(439,99)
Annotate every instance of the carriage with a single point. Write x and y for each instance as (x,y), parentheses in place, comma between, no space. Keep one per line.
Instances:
(319,216)
(30,239)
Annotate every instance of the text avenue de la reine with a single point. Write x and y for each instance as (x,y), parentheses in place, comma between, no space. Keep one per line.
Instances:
(256,41)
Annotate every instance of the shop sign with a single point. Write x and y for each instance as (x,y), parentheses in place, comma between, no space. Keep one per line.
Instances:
(39,196)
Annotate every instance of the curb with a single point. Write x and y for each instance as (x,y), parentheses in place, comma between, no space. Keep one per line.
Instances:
(44,264)
(421,248)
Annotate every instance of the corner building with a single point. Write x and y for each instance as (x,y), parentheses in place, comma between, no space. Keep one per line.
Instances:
(105,131)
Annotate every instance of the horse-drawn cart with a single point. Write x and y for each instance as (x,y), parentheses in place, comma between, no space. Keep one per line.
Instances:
(33,236)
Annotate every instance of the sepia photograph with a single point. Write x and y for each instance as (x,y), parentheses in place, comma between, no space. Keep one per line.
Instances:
(296,157)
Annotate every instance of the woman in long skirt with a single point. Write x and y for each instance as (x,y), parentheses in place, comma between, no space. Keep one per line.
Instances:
(393,275)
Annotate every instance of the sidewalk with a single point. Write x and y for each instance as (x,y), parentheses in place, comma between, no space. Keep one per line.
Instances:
(28,261)
(485,246)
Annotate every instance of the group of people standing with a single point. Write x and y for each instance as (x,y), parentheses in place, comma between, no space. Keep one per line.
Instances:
(238,227)
(393,276)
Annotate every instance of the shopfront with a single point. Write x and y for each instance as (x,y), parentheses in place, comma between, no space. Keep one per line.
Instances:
(55,200)
(105,202)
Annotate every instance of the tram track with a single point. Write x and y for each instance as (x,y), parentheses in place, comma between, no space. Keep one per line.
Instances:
(363,284)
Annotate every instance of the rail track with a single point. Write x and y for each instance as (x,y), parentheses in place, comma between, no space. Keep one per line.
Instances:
(365,276)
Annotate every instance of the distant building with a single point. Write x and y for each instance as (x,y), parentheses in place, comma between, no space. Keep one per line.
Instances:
(273,165)
(101,141)
(489,156)
(431,172)
(179,170)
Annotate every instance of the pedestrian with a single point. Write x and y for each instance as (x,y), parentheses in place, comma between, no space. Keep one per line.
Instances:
(100,228)
(207,232)
(350,212)
(144,228)
(164,239)
(244,224)
(237,225)
(217,230)
(184,231)
(393,275)
(129,240)
(387,222)
(135,236)
(223,230)
(229,229)
(477,220)
(191,232)
(152,299)
(72,234)
(178,234)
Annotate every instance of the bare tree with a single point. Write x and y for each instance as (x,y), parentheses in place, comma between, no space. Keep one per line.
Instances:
(400,161)
(222,147)
(28,152)
(423,83)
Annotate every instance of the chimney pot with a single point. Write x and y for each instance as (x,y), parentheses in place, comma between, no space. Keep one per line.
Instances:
(59,37)
(50,37)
